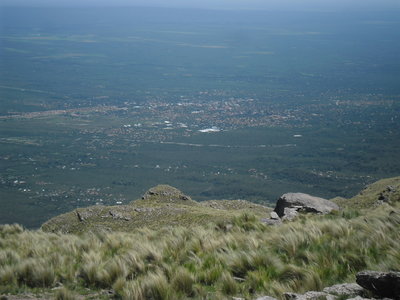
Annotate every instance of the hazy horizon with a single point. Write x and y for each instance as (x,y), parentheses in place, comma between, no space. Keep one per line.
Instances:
(283,5)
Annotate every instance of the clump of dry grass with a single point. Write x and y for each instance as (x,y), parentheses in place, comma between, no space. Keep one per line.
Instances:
(183,281)
(64,294)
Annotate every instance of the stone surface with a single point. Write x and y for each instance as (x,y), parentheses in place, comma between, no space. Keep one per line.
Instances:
(345,289)
(312,295)
(84,214)
(382,284)
(117,215)
(271,222)
(266,298)
(304,203)
(274,215)
(289,214)
(167,193)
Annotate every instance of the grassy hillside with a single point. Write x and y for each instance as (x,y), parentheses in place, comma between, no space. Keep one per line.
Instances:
(383,191)
(212,261)
(160,206)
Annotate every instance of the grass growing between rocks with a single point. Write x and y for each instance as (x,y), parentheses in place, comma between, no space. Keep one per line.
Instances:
(217,261)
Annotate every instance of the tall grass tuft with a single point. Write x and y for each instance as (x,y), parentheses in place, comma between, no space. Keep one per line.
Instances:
(228,285)
(183,281)
(8,229)
(35,273)
(90,269)
(64,294)
(7,276)
(132,291)
(155,286)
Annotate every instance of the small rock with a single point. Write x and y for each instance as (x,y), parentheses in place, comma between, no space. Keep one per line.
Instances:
(312,295)
(272,222)
(390,188)
(383,198)
(115,215)
(228,227)
(274,216)
(239,279)
(266,298)
(382,284)
(118,216)
(84,214)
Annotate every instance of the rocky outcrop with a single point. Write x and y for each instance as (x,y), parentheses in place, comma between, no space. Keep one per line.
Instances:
(167,193)
(312,295)
(83,214)
(382,284)
(385,191)
(290,204)
(345,289)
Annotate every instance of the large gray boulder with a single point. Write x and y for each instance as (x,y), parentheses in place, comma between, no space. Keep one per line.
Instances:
(382,284)
(289,204)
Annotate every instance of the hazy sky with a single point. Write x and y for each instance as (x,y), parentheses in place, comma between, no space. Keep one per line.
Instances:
(227,4)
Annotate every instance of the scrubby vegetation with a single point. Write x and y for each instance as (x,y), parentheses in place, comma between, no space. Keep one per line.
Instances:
(217,261)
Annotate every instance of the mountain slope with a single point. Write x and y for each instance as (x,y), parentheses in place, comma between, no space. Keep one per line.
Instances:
(203,261)
(383,191)
(160,206)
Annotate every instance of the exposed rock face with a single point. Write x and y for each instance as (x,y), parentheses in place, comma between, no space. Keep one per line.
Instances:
(118,215)
(271,222)
(266,298)
(345,289)
(84,214)
(289,204)
(167,193)
(290,213)
(385,285)
(312,295)
(382,284)
(274,215)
